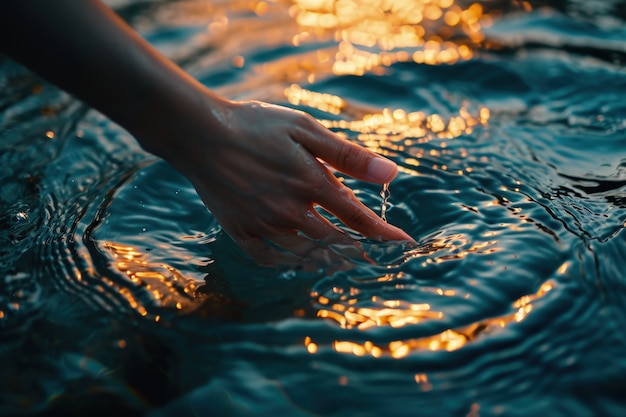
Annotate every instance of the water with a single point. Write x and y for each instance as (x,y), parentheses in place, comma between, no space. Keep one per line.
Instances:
(120,295)
(384,205)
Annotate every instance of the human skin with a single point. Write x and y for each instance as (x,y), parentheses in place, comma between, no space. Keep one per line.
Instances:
(259,168)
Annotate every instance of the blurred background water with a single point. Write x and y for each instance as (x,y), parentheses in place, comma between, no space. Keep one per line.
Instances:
(121,295)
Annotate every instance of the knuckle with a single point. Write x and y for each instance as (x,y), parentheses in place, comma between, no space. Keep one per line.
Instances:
(346,193)
(358,219)
(303,120)
(345,154)
(319,183)
(350,155)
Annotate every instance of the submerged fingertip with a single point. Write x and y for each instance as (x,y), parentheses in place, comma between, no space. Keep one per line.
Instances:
(399,235)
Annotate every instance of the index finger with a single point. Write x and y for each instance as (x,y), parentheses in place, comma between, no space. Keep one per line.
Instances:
(354,214)
(345,156)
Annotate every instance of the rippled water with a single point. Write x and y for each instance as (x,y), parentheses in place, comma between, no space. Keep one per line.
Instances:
(120,294)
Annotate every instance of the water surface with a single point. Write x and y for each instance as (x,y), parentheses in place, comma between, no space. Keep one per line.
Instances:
(121,294)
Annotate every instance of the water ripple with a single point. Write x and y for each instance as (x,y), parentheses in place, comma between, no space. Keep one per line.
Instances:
(119,290)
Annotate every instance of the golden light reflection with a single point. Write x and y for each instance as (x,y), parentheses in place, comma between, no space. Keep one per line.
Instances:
(163,285)
(393,313)
(422,380)
(376,33)
(325,102)
(403,313)
(456,246)
(391,127)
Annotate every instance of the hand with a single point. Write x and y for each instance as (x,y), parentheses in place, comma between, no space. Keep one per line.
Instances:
(257,171)
(254,165)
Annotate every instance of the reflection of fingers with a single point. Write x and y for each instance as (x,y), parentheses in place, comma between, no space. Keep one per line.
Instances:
(318,228)
(357,216)
(337,240)
(313,237)
(298,245)
(263,254)
(313,256)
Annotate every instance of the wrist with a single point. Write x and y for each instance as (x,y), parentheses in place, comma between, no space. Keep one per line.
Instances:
(180,120)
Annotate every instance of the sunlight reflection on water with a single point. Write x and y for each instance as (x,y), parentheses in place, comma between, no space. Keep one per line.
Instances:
(510,149)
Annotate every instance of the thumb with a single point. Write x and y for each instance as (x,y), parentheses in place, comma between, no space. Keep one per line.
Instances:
(348,157)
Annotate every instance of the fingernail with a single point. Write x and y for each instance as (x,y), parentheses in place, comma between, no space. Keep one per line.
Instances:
(381,169)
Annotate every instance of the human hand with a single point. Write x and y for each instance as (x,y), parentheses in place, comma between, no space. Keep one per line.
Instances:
(254,165)
(258,172)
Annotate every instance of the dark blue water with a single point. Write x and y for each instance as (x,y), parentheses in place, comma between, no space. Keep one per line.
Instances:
(120,295)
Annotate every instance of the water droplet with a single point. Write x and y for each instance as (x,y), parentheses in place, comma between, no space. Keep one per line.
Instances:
(384,194)
(288,275)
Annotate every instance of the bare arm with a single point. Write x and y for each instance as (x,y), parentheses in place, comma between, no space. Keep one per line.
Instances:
(253,164)
(83,47)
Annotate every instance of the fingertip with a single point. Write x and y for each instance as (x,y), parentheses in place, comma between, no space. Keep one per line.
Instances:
(381,170)
(394,233)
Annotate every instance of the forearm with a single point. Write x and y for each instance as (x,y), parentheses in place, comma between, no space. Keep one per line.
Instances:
(86,49)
